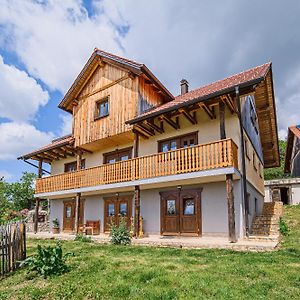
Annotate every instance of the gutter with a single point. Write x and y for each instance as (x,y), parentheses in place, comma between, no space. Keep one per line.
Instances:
(194,100)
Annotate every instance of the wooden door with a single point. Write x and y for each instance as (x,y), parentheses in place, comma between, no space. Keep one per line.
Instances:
(170,213)
(110,213)
(69,216)
(181,212)
(190,214)
(124,209)
(116,208)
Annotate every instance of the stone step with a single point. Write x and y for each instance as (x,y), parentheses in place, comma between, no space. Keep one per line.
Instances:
(273,238)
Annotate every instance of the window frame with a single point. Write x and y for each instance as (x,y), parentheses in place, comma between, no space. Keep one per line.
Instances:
(117,154)
(178,139)
(97,112)
(74,163)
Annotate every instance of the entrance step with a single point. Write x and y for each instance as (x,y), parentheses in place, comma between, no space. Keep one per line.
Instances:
(261,238)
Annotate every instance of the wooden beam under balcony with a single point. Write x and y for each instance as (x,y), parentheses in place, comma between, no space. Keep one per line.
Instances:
(227,99)
(144,129)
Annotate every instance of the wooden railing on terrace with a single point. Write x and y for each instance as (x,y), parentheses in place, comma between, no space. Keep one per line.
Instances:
(214,155)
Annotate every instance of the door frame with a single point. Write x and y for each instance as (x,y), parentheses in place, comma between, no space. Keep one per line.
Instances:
(116,200)
(81,214)
(179,203)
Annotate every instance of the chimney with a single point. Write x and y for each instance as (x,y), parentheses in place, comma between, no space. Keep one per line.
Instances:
(184,86)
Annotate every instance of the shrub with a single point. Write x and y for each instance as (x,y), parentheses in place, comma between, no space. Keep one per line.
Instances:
(48,261)
(120,235)
(283,227)
(82,238)
(55,223)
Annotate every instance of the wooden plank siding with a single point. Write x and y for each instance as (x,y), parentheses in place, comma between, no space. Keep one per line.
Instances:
(213,155)
(122,91)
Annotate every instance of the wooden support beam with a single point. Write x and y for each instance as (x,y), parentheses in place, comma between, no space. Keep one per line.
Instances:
(40,168)
(208,110)
(60,152)
(140,132)
(192,118)
(231,212)
(137,208)
(78,160)
(77,207)
(152,125)
(54,154)
(229,102)
(173,124)
(36,215)
(222,120)
(136,145)
(146,130)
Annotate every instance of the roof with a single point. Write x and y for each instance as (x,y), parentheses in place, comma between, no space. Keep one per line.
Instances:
(293,131)
(56,143)
(211,90)
(91,65)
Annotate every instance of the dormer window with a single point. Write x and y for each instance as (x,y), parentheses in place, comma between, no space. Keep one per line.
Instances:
(102,108)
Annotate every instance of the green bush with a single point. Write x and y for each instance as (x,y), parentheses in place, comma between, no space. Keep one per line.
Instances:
(120,235)
(283,227)
(82,238)
(48,261)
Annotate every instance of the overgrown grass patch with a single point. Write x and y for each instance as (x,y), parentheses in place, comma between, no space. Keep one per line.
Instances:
(131,272)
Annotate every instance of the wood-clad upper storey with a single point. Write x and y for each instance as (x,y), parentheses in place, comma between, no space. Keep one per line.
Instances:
(120,90)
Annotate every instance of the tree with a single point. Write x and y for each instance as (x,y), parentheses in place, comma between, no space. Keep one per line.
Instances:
(20,193)
(278,172)
(5,205)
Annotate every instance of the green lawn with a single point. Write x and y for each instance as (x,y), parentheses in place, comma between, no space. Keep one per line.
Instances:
(115,272)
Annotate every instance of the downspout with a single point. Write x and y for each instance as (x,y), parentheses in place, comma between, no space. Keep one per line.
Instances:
(244,176)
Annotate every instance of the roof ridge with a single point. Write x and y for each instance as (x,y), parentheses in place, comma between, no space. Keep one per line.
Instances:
(225,78)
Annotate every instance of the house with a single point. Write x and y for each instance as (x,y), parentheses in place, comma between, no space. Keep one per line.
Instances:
(287,190)
(292,156)
(188,165)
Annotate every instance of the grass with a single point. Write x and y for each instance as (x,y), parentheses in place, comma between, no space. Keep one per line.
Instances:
(131,272)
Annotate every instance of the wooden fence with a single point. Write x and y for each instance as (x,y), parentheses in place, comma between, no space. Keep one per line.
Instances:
(219,154)
(12,246)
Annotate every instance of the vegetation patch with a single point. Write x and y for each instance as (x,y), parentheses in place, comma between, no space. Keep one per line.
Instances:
(115,272)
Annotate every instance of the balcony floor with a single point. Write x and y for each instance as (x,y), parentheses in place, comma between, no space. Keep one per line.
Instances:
(205,242)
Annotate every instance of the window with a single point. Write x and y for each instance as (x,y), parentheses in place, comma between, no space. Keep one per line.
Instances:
(118,155)
(183,141)
(102,108)
(254,161)
(253,115)
(247,149)
(189,206)
(171,207)
(72,166)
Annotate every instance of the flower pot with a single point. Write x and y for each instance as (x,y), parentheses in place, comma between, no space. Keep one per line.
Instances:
(55,230)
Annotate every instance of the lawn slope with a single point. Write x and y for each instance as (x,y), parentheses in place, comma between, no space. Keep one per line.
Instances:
(112,272)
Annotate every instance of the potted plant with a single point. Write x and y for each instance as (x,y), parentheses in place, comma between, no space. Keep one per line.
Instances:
(55,227)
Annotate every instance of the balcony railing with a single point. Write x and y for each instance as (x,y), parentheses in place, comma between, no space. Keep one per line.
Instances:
(214,155)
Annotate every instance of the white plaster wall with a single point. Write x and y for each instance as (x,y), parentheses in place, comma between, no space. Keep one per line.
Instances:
(295,199)
(267,194)
(213,207)
(94,209)
(254,194)
(56,211)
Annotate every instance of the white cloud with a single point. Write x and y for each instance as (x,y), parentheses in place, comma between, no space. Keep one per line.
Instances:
(66,127)
(54,38)
(21,96)
(19,138)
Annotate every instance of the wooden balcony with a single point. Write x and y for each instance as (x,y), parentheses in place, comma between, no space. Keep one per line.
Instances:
(214,155)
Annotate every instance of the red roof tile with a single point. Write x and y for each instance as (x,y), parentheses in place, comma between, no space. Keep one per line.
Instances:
(68,139)
(218,86)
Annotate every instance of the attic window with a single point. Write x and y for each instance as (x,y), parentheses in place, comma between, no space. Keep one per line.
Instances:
(102,108)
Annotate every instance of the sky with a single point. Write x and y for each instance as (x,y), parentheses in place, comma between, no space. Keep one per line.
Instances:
(44,45)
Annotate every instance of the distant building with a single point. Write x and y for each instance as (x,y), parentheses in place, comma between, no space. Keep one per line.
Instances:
(286,190)
(292,157)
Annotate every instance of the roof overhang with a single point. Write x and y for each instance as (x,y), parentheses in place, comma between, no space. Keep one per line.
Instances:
(293,132)
(59,148)
(98,58)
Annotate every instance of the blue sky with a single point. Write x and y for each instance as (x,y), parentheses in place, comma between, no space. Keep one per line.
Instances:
(44,45)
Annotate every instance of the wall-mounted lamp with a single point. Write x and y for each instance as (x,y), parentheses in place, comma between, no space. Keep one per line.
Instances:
(179,187)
